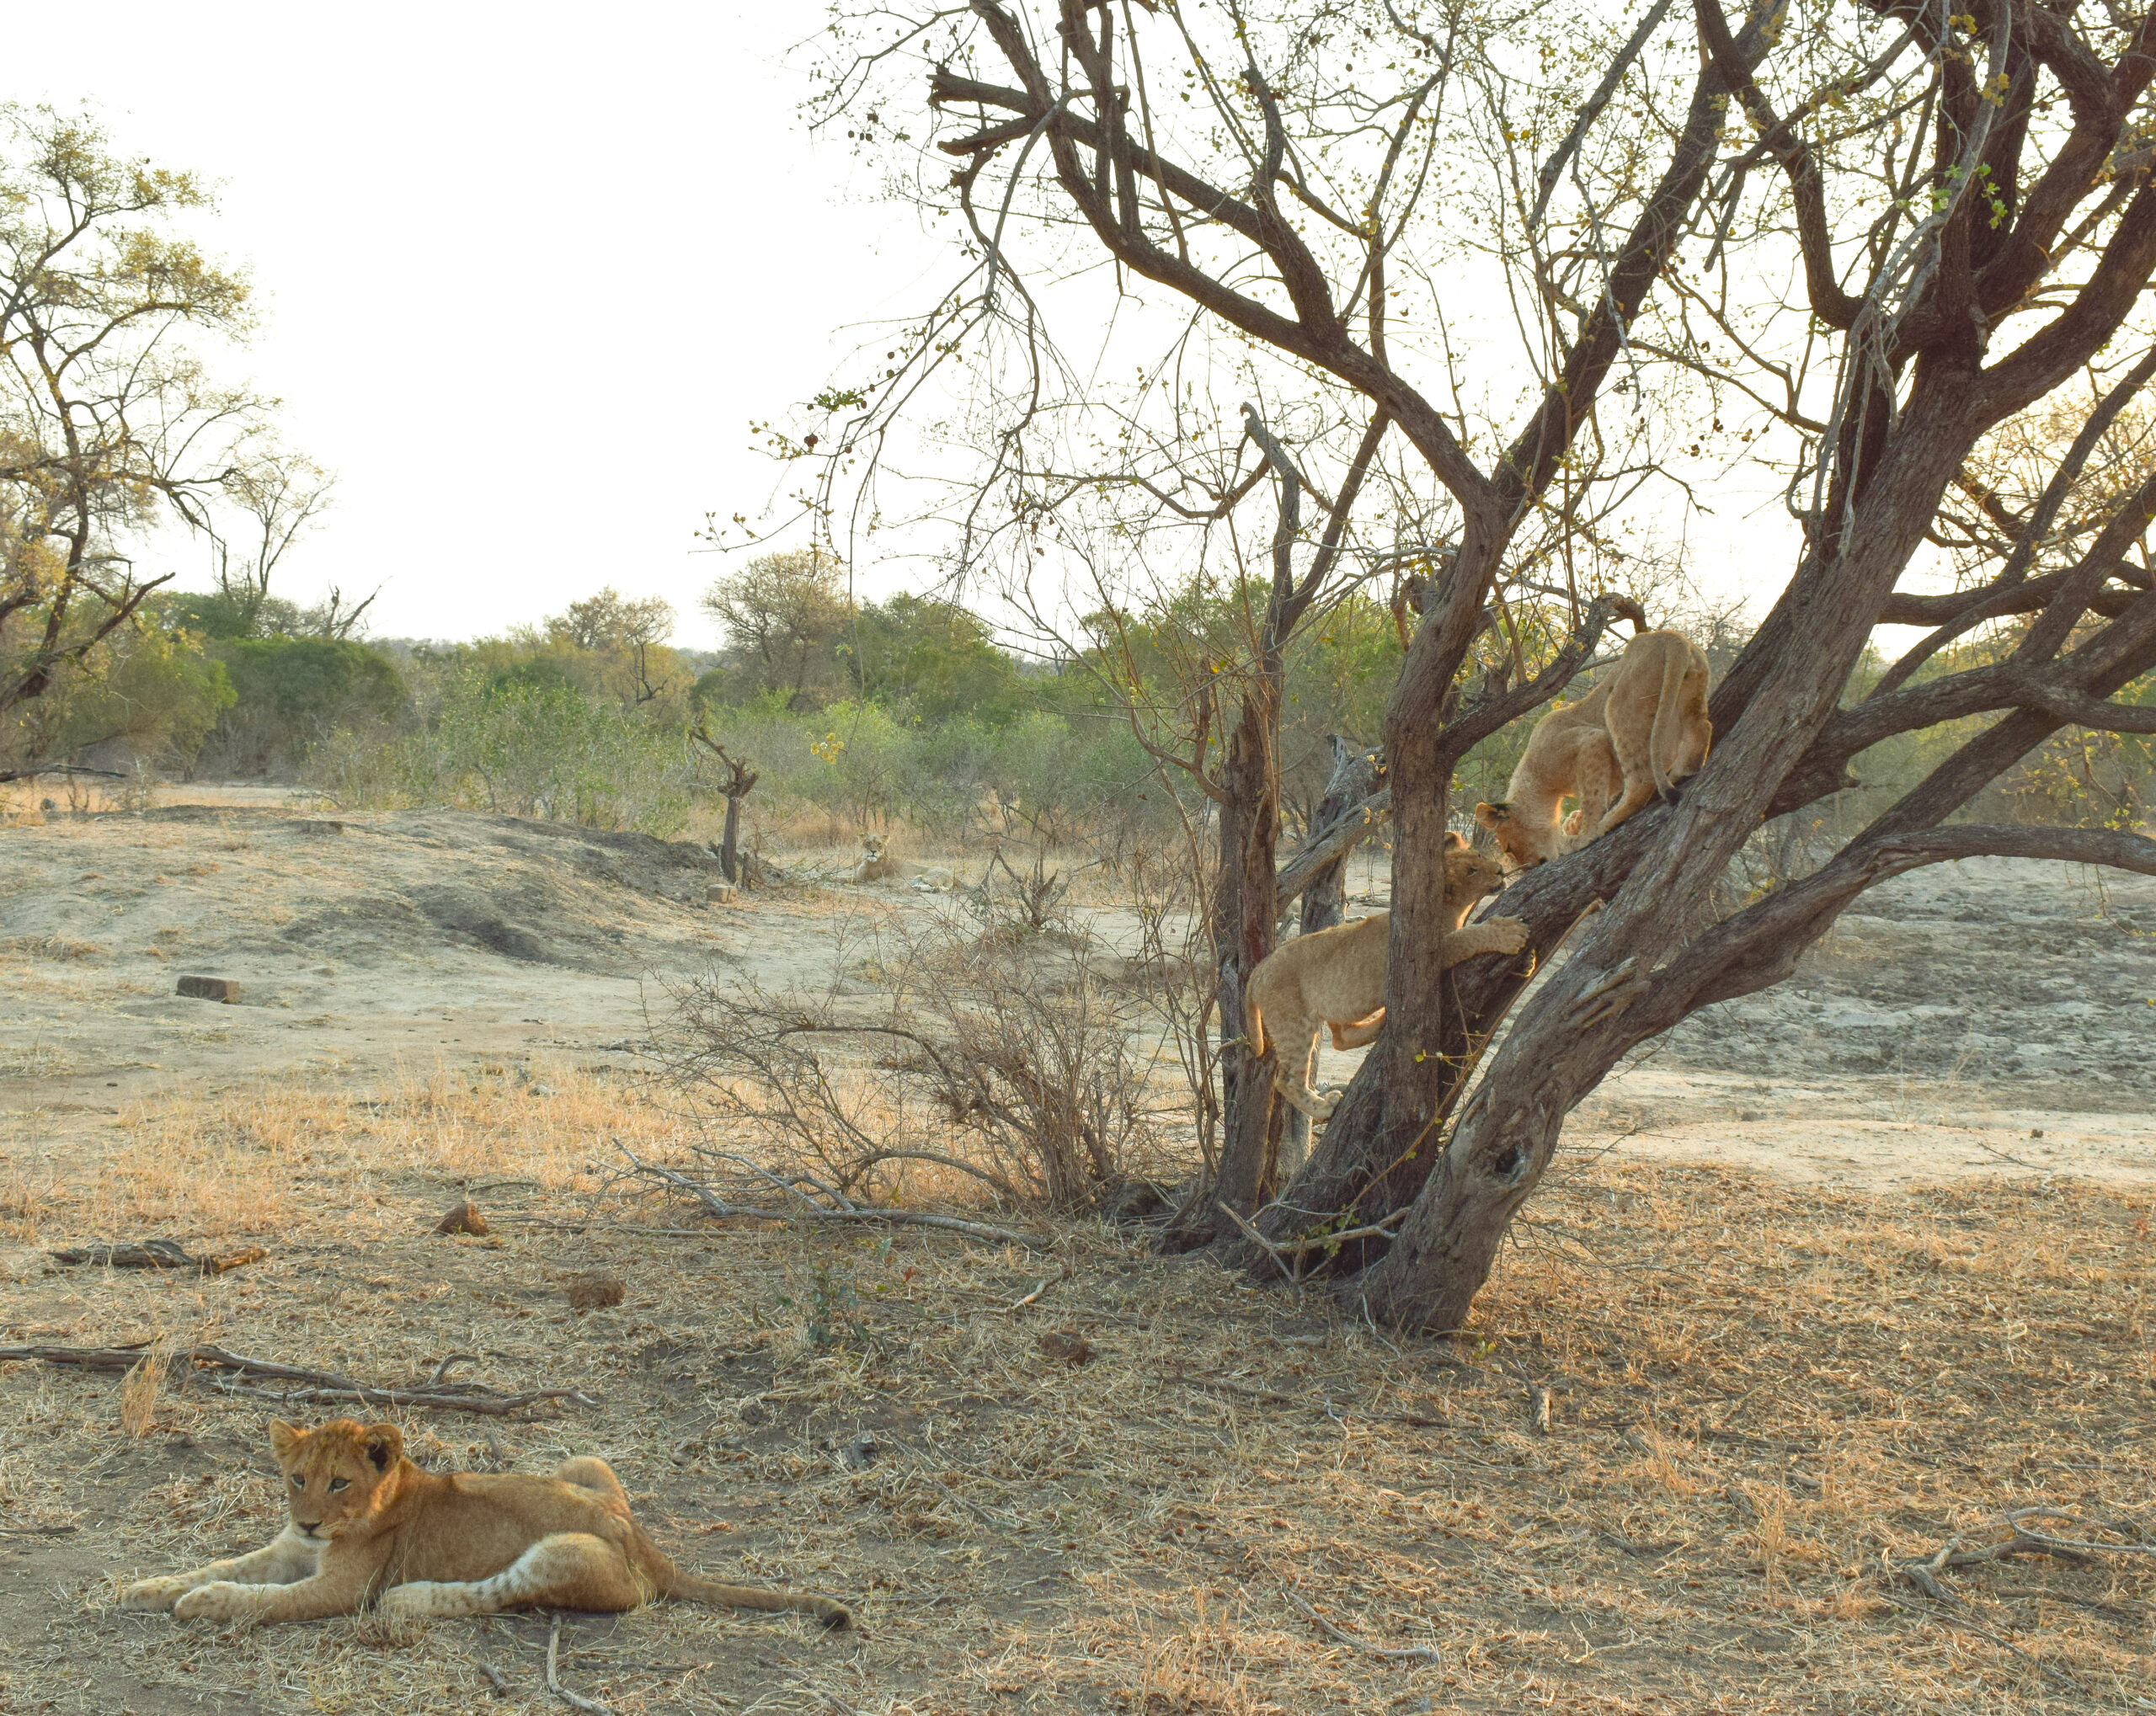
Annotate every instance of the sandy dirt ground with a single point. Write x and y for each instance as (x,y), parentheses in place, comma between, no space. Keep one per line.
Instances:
(1989,1014)
(1829,1276)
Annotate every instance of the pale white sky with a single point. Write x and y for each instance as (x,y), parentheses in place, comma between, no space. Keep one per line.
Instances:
(528,272)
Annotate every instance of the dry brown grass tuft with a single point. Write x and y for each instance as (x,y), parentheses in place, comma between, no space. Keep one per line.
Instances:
(1764,1396)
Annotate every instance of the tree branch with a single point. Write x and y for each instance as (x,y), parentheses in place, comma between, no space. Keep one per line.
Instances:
(1778,138)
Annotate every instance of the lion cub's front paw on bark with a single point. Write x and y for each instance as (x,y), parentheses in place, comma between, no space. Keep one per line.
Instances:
(223,1600)
(1510,934)
(156,1595)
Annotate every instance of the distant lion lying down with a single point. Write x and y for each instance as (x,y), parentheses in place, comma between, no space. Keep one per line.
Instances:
(1335,976)
(879,863)
(368,1525)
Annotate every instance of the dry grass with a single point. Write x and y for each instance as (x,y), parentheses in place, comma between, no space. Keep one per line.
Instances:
(1759,1392)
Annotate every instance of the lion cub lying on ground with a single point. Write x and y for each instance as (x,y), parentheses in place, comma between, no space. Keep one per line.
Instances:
(367,1525)
(1336,977)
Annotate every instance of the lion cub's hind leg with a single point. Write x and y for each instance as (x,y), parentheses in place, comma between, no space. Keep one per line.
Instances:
(565,1570)
(1294,1058)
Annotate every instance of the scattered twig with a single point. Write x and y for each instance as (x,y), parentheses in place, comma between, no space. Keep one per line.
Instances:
(1250,1391)
(1032,1297)
(1389,1229)
(554,1683)
(720,1210)
(2034,1168)
(37,1530)
(441,1370)
(1280,1257)
(58,769)
(494,1679)
(311,1386)
(1404,1653)
(2117,1611)
(642,1233)
(857,1169)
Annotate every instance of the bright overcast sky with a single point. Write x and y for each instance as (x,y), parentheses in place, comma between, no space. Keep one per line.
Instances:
(528,272)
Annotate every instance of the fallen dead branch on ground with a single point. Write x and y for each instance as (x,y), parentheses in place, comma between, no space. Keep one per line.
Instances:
(156,1253)
(838,1208)
(1922,1571)
(312,1387)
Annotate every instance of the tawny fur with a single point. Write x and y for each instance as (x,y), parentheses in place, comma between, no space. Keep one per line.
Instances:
(1335,978)
(1643,729)
(879,863)
(369,1528)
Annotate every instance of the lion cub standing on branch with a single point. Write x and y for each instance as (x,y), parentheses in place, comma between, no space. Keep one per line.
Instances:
(367,1525)
(1336,977)
(1635,735)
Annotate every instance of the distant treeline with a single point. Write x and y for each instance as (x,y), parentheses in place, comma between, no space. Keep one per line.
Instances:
(906,710)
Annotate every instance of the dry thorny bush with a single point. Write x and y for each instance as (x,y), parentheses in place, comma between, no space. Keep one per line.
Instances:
(1012,1057)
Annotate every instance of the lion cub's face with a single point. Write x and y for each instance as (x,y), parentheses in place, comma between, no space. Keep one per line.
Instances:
(1513,837)
(873,845)
(1469,876)
(332,1473)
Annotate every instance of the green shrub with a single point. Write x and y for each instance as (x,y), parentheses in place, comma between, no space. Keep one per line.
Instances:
(523,746)
(293,692)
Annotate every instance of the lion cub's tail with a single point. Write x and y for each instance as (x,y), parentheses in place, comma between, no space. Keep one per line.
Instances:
(1255,1019)
(671,1581)
(1663,737)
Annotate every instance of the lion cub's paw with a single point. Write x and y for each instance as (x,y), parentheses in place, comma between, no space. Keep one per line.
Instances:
(1323,1102)
(1510,934)
(223,1600)
(157,1595)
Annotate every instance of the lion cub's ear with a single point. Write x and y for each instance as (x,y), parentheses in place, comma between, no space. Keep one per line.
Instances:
(283,1438)
(1490,815)
(1455,841)
(385,1446)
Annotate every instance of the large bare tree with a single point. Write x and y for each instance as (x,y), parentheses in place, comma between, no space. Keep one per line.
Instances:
(1559,258)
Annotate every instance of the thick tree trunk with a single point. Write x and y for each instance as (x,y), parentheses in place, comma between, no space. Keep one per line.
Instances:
(1245,910)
